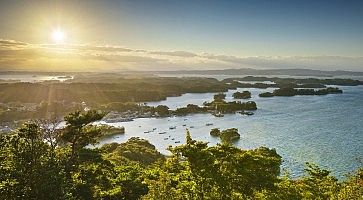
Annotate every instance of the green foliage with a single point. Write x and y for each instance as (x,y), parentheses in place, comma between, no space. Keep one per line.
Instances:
(108,130)
(219,97)
(296,82)
(215,132)
(191,108)
(289,91)
(137,150)
(109,92)
(33,168)
(266,94)
(319,184)
(227,136)
(242,95)
(352,188)
(28,170)
(220,172)
(230,107)
(162,110)
(79,132)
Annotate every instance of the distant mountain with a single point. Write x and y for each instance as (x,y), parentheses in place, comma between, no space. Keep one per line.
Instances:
(249,71)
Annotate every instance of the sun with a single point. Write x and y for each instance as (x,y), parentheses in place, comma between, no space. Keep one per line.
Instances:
(58,36)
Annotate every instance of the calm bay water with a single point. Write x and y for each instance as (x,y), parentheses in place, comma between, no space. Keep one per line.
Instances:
(326,130)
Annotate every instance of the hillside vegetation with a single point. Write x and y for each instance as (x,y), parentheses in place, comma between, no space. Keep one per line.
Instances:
(39,162)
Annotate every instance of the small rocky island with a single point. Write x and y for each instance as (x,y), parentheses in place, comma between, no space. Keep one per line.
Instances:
(109,131)
(227,136)
(242,95)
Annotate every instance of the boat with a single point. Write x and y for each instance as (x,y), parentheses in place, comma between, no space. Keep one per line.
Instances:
(162,132)
(191,127)
(172,138)
(184,125)
(177,141)
(146,131)
(166,138)
(172,127)
(209,124)
(218,114)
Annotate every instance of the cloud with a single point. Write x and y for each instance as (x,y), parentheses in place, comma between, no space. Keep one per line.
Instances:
(174,53)
(12,44)
(88,48)
(307,62)
(17,55)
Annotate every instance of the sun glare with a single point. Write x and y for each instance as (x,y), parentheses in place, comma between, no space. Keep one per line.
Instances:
(58,36)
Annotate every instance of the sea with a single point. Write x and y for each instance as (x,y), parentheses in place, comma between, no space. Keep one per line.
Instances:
(324,130)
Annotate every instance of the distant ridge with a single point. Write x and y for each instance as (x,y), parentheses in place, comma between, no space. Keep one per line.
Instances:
(249,71)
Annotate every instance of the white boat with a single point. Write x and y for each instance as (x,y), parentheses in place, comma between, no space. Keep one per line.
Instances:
(218,114)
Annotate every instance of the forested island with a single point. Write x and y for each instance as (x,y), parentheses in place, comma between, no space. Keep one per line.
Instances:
(242,95)
(293,92)
(40,162)
(227,136)
(133,110)
(298,82)
(216,106)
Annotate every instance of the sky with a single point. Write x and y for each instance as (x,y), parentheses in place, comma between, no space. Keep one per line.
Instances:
(88,35)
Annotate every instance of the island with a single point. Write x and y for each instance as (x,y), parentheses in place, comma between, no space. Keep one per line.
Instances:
(109,131)
(227,135)
(216,106)
(219,96)
(293,92)
(297,82)
(123,95)
(242,95)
